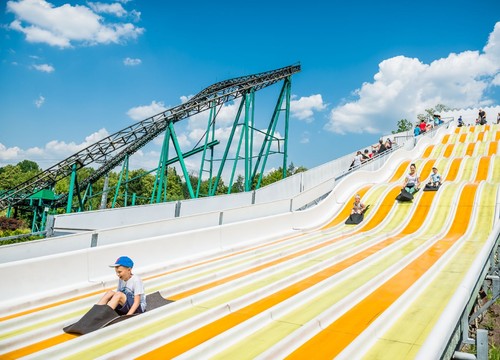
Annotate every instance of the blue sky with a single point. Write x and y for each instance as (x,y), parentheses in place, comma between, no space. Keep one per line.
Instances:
(74,72)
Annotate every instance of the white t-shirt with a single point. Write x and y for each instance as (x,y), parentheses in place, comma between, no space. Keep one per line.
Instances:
(357,160)
(411,179)
(135,285)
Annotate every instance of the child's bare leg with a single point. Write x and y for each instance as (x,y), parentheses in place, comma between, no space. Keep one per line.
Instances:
(106,297)
(118,298)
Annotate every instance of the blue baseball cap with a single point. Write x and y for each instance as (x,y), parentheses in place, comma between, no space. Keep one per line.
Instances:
(123,261)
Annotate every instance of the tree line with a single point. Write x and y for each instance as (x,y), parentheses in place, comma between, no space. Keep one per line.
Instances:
(139,183)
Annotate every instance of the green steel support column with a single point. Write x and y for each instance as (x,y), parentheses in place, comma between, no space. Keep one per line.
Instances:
(211,119)
(181,160)
(211,168)
(9,209)
(134,196)
(252,128)
(87,194)
(248,150)
(44,218)
(162,168)
(226,151)
(264,161)
(71,189)
(266,144)
(78,194)
(288,83)
(236,158)
(117,190)
(165,186)
(105,190)
(91,194)
(125,195)
(33,222)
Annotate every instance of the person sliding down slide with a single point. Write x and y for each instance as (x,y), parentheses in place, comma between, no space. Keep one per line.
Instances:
(435,181)
(410,186)
(357,212)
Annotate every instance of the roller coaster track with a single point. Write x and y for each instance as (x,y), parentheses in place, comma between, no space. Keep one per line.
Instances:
(113,149)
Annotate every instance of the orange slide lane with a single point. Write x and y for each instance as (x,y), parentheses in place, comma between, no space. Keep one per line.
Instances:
(470,149)
(493,148)
(379,216)
(483,168)
(199,336)
(426,170)
(428,151)
(448,150)
(454,168)
(345,329)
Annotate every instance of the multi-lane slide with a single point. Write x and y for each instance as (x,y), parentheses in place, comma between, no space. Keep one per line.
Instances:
(382,289)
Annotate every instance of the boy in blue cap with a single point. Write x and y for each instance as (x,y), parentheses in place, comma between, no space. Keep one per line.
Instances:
(129,297)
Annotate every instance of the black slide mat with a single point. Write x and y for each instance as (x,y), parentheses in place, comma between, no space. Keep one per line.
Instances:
(404,196)
(354,219)
(100,316)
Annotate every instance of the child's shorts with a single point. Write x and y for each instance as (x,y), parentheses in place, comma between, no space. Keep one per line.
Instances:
(123,310)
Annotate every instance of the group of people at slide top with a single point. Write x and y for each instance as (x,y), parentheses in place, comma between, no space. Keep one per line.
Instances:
(411,184)
(425,126)
(377,149)
(480,120)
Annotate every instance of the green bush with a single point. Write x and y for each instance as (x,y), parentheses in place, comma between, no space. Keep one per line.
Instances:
(494,353)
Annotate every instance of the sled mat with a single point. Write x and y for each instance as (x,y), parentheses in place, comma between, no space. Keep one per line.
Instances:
(354,219)
(97,317)
(155,300)
(100,316)
(431,188)
(404,196)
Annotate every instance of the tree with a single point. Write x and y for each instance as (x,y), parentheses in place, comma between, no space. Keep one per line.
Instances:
(403,125)
(272,177)
(429,113)
(292,170)
(29,166)
(13,175)
(174,185)
(238,185)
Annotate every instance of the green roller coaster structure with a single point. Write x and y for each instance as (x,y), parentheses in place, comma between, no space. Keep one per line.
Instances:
(38,192)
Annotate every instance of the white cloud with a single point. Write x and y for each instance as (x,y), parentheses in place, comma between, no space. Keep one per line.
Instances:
(405,87)
(305,137)
(143,112)
(131,62)
(115,9)
(7,154)
(496,80)
(44,68)
(66,25)
(40,101)
(304,108)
